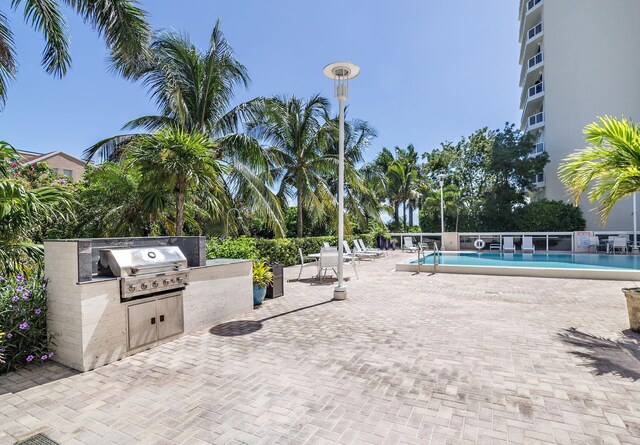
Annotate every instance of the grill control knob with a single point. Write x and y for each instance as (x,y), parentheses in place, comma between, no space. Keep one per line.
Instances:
(155,284)
(165,282)
(143,286)
(180,279)
(173,280)
(132,287)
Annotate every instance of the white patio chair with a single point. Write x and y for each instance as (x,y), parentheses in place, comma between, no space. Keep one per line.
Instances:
(507,244)
(594,242)
(620,243)
(364,248)
(326,245)
(329,260)
(527,245)
(408,244)
(305,261)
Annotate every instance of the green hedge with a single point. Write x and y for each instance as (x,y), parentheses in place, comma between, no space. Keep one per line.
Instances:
(280,250)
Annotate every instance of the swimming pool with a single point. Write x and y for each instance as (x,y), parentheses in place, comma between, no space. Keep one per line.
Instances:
(560,265)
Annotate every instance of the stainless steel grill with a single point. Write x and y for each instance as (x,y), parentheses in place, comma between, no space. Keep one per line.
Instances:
(145,271)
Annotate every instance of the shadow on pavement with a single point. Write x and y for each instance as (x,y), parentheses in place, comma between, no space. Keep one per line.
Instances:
(620,357)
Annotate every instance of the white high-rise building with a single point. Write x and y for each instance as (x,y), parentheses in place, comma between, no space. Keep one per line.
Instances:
(580,60)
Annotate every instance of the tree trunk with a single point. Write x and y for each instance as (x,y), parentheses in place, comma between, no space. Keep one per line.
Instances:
(179,210)
(410,214)
(396,211)
(457,219)
(404,215)
(299,200)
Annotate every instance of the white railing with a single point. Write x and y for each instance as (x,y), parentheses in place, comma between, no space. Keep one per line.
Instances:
(544,241)
(535,60)
(535,90)
(535,120)
(422,237)
(532,4)
(535,31)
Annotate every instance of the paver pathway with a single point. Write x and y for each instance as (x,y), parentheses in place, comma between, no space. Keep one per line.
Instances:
(406,359)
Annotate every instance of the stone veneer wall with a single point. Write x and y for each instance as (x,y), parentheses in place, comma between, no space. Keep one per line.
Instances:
(88,320)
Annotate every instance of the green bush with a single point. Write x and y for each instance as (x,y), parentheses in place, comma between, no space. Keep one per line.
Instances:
(279,250)
(23,320)
(550,216)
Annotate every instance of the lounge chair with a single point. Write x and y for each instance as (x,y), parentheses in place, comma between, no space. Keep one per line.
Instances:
(305,261)
(620,243)
(364,248)
(507,244)
(408,244)
(329,260)
(359,251)
(352,256)
(527,245)
(326,245)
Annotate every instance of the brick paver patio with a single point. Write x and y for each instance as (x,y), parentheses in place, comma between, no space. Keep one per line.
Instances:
(406,359)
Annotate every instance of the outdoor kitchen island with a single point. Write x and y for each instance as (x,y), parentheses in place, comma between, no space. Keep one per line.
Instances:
(109,298)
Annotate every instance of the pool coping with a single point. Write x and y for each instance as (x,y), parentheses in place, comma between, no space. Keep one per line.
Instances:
(593,274)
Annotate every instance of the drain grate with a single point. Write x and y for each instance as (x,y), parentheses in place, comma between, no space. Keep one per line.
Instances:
(38,439)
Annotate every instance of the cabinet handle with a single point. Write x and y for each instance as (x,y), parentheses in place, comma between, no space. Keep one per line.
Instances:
(161,318)
(153,320)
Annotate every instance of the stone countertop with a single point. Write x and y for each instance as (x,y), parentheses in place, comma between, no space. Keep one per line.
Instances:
(222,262)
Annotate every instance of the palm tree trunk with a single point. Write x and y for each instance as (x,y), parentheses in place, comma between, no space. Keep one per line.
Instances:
(410,214)
(404,215)
(180,198)
(299,200)
(457,218)
(396,211)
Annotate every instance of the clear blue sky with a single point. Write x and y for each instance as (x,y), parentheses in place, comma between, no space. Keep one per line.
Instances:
(432,70)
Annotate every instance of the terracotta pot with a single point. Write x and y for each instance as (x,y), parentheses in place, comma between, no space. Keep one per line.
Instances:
(633,307)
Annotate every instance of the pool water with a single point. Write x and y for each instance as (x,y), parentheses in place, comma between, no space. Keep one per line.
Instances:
(539,260)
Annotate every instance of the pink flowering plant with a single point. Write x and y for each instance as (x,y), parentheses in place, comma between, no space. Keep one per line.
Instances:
(23,321)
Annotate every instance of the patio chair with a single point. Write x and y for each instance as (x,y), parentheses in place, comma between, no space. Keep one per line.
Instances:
(507,244)
(326,245)
(408,244)
(620,243)
(329,260)
(364,248)
(527,245)
(352,256)
(594,242)
(305,261)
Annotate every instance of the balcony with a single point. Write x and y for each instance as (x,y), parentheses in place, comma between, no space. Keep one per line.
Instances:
(534,122)
(537,149)
(530,14)
(531,5)
(535,62)
(532,36)
(535,32)
(531,98)
(538,180)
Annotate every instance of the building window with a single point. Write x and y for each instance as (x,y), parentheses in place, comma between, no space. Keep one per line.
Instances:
(539,178)
(67,172)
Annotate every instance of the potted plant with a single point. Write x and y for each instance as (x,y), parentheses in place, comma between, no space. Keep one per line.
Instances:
(262,277)
(633,307)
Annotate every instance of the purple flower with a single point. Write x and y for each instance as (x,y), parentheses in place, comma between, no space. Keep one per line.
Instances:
(19,277)
(30,358)
(15,298)
(44,357)
(50,354)
(9,335)
(37,311)
(26,295)
(15,307)
(24,326)
(19,288)
(2,280)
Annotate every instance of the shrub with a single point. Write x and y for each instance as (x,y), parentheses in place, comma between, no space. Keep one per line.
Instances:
(550,216)
(280,250)
(23,320)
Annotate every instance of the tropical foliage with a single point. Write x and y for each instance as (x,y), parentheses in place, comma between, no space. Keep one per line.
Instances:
(193,90)
(121,22)
(25,210)
(609,169)
(550,216)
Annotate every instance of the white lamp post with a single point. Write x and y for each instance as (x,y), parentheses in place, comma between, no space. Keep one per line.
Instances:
(441,179)
(341,73)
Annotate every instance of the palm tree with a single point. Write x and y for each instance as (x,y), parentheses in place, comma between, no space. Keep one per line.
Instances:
(611,163)
(193,90)
(22,211)
(299,134)
(121,22)
(178,162)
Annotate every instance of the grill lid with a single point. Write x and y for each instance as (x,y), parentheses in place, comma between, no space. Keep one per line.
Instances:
(141,260)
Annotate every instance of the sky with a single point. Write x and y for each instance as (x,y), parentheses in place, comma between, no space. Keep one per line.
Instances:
(431,70)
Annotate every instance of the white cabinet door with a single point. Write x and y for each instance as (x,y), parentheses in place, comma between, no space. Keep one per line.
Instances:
(170,316)
(143,324)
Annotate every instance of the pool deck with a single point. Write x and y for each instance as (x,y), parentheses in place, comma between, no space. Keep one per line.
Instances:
(413,359)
